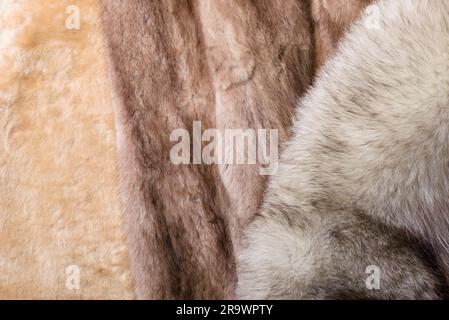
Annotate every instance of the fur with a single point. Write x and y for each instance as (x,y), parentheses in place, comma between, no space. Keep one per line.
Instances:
(242,64)
(365,178)
(205,64)
(331,20)
(59,201)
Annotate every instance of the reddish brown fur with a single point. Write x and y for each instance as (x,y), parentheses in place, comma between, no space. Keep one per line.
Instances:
(331,19)
(169,62)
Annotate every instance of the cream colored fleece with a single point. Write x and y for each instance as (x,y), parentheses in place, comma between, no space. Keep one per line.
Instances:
(58,191)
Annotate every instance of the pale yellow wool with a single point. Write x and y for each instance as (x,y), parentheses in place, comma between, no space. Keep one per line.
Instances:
(59,203)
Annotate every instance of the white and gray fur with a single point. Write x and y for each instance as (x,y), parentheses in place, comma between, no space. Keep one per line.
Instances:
(365,178)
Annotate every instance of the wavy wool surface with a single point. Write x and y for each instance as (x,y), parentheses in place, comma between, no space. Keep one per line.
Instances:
(58,198)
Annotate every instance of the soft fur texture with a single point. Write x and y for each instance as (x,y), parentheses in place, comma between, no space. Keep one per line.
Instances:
(205,64)
(59,202)
(238,64)
(331,20)
(365,179)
